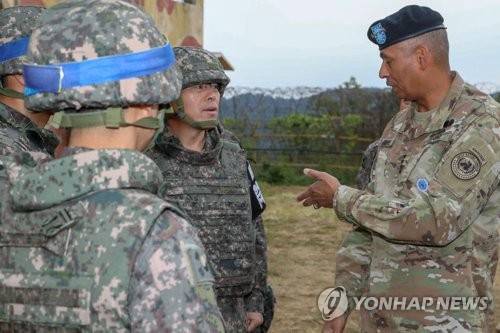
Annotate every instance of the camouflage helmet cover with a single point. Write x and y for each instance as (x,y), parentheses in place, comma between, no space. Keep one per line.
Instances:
(200,66)
(16,23)
(78,30)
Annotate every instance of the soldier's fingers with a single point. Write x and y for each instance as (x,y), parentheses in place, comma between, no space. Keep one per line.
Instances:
(312,173)
(304,195)
(309,202)
(252,326)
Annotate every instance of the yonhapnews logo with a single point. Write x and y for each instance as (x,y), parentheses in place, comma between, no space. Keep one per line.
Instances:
(333,302)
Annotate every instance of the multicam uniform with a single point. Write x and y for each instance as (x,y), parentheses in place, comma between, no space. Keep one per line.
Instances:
(213,187)
(363,177)
(432,214)
(86,247)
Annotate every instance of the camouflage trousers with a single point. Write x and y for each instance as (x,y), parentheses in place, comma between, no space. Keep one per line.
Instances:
(269,302)
(233,312)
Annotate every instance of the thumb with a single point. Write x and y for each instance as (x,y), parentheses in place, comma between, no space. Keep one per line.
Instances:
(313,173)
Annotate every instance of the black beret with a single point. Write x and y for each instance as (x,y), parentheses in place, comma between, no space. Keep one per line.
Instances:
(408,22)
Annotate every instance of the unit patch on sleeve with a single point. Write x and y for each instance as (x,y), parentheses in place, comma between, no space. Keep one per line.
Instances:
(465,166)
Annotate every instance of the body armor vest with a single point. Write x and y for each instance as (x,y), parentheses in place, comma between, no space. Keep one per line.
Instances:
(67,268)
(213,188)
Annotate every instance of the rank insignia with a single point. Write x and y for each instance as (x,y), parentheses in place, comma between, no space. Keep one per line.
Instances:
(378,33)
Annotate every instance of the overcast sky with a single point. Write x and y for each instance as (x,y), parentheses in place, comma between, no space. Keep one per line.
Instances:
(322,43)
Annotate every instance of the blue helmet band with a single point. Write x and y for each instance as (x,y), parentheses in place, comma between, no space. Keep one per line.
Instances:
(14,49)
(54,78)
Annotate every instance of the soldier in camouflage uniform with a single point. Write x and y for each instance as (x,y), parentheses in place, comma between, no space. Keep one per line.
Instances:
(20,130)
(431,209)
(206,170)
(86,245)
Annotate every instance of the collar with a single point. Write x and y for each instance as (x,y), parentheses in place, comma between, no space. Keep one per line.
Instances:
(80,172)
(170,145)
(402,121)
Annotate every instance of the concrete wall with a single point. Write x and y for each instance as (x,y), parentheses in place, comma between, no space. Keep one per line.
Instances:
(181,21)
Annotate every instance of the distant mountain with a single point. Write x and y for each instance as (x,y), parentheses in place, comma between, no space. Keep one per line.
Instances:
(286,93)
(262,105)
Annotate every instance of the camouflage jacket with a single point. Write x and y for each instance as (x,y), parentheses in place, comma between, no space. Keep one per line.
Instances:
(180,165)
(431,212)
(367,161)
(86,247)
(18,133)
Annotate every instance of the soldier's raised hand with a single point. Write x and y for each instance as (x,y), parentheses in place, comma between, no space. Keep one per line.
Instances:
(321,192)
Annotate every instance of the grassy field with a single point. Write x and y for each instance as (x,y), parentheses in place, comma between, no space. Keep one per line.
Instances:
(302,245)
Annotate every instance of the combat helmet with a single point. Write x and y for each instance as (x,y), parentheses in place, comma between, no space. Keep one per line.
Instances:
(198,66)
(95,57)
(16,26)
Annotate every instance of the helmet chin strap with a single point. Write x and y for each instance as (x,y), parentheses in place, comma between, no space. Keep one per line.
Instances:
(110,118)
(11,93)
(207,124)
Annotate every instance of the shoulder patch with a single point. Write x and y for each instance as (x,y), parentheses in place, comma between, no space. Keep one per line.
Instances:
(197,264)
(465,165)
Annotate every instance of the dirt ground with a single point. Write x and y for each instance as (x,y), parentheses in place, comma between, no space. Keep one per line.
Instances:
(302,244)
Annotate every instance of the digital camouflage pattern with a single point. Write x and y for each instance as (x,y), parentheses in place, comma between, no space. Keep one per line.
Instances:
(269,305)
(16,23)
(18,133)
(77,30)
(200,66)
(86,247)
(432,213)
(213,187)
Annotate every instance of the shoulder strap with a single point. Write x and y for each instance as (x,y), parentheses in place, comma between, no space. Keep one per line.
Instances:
(232,145)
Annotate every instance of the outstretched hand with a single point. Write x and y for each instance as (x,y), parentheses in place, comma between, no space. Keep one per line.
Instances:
(319,194)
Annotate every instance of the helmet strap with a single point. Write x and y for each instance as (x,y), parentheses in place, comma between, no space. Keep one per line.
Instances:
(207,124)
(11,93)
(110,118)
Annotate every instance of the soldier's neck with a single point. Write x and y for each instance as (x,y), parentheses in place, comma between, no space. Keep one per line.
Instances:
(191,138)
(39,119)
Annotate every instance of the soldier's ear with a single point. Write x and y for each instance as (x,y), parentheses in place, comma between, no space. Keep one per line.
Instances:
(422,55)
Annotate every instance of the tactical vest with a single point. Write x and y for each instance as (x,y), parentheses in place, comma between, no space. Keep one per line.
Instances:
(67,268)
(213,189)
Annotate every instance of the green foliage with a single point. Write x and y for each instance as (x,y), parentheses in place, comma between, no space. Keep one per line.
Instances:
(496,96)
(280,174)
(296,123)
(352,122)
(329,133)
